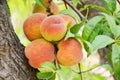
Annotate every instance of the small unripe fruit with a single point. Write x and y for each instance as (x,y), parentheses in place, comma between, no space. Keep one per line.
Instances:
(53,28)
(52,6)
(38,9)
(39,51)
(68,19)
(31,26)
(69,52)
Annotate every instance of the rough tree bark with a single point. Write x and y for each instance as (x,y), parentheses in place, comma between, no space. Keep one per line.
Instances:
(13,64)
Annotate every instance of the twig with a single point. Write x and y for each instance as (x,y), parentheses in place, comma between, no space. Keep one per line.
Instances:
(74,8)
(80,71)
(57,66)
(118,1)
(65,5)
(89,69)
(48,8)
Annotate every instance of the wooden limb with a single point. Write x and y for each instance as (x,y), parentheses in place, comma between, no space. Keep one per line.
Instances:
(13,64)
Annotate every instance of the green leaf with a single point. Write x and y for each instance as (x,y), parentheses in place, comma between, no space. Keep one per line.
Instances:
(99,29)
(48,65)
(94,7)
(90,26)
(76,76)
(101,41)
(75,2)
(114,28)
(117,17)
(46,75)
(110,5)
(116,60)
(71,13)
(69,34)
(41,3)
(76,28)
(64,73)
(87,46)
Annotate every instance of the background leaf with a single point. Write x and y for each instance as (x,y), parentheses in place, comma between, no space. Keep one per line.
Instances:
(116,60)
(114,28)
(75,2)
(89,6)
(71,13)
(110,5)
(101,41)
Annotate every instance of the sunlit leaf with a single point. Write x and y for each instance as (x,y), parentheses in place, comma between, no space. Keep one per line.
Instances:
(46,75)
(101,41)
(48,66)
(64,73)
(69,34)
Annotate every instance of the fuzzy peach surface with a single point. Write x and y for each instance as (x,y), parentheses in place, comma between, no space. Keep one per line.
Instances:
(68,19)
(53,28)
(39,51)
(31,26)
(69,52)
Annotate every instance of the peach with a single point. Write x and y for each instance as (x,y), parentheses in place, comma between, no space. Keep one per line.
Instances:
(38,9)
(54,9)
(53,28)
(69,52)
(31,26)
(39,51)
(68,19)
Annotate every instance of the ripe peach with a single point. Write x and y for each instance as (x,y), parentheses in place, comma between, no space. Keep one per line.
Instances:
(37,8)
(69,52)
(52,6)
(39,51)
(31,26)
(53,28)
(68,19)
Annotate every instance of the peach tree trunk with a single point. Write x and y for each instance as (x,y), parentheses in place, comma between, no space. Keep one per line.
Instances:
(13,64)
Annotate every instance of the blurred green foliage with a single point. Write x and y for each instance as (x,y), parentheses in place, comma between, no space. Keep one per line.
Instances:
(20,10)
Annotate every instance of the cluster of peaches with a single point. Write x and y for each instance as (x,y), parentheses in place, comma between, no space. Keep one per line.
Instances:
(47,37)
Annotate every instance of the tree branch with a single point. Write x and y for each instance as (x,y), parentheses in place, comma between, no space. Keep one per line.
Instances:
(80,71)
(118,1)
(74,8)
(86,70)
